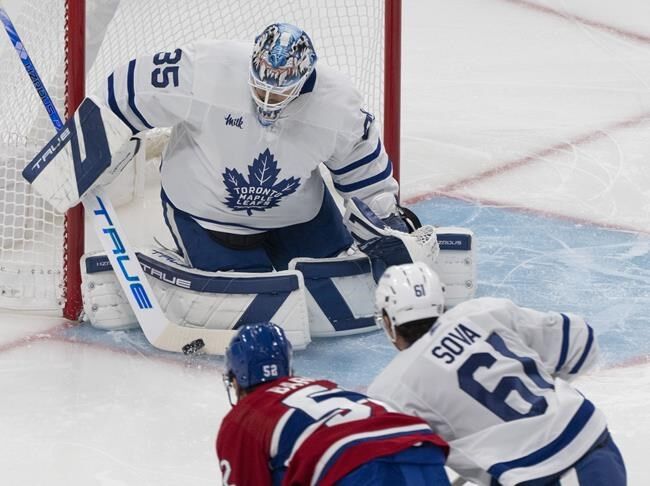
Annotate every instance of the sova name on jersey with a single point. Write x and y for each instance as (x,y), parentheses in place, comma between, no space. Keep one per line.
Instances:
(454,343)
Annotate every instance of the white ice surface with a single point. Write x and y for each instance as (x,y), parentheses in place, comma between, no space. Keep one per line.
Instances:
(624,394)
(74,414)
(487,83)
(79,415)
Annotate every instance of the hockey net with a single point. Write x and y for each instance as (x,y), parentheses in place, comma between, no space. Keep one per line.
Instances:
(35,249)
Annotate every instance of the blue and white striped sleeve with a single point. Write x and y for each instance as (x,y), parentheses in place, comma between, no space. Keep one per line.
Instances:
(360,166)
(565,341)
(578,349)
(151,91)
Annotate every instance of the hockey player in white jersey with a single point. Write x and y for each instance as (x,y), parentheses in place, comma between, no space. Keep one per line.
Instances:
(492,379)
(242,191)
(241,188)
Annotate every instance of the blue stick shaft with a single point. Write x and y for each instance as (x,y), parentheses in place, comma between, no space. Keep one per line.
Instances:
(31,69)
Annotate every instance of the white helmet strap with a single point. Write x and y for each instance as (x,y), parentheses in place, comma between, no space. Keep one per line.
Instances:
(388,327)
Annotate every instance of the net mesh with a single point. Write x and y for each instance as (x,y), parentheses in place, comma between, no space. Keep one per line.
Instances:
(31,234)
(347,34)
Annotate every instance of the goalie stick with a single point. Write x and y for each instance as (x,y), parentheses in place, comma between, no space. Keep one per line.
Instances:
(158,330)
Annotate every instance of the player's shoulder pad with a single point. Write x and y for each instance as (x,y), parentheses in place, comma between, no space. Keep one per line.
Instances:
(223,52)
(334,101)
(221,73)
(388,385)
(481,305)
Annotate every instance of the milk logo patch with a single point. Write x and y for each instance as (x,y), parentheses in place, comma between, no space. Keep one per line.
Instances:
(234,122)
(260,190)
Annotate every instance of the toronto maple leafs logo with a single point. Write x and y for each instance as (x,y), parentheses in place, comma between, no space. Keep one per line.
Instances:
(261,191)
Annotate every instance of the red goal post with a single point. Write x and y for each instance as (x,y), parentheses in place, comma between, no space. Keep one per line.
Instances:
(39,250)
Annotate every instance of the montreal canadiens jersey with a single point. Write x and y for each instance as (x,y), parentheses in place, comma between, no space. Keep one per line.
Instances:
(491,379)
(225,169)
(299,431)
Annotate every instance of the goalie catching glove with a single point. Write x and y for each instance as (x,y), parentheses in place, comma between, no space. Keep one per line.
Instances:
(386,246)
(391,214)
(450,251)
(91,149)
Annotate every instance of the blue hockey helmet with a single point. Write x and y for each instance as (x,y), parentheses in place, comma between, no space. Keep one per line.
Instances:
(282,60)
(258,353)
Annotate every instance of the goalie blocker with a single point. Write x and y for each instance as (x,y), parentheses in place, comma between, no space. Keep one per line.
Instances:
(89,151)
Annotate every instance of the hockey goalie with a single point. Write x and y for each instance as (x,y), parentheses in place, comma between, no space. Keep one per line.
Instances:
(258,234)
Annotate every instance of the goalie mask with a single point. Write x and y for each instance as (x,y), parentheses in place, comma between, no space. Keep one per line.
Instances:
(257,354)
(407,293)
(282,60)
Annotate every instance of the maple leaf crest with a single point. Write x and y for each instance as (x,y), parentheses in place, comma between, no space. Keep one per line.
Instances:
(260,191)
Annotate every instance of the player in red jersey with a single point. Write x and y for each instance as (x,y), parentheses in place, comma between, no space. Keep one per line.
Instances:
(291,430)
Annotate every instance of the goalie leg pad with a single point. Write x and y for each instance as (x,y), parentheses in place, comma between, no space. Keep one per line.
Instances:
(456,263)
(104,302)
(199,299)
(340,294)
(384,252)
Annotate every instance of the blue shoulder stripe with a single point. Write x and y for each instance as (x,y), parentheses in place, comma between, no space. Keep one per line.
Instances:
(355,186)
(585,353)
(566,329)
(359,163)
(571,431)
(112,103)
(130,86)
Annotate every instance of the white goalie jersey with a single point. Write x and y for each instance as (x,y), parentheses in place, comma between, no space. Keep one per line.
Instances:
(490,378)
(224,168)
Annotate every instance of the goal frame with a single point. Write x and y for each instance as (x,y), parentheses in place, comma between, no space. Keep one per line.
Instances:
(75,92)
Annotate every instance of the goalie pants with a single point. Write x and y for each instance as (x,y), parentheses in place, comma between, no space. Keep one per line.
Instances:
(322,237)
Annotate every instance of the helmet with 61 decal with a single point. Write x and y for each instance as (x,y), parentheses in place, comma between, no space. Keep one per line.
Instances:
(282,60)
(407,293)
(258,353)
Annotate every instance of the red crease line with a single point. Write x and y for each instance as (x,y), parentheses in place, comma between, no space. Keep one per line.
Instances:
(626,34)
(557,148)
